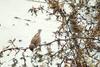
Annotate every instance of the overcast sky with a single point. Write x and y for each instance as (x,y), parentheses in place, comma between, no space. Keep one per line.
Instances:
(11,8)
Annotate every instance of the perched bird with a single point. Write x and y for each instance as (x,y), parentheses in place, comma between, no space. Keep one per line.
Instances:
(36,40)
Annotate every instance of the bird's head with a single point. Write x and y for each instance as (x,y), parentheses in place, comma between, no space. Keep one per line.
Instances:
(39,30)
(31,47)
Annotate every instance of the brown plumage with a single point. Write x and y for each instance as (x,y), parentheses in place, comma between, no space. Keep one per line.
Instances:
(36,40)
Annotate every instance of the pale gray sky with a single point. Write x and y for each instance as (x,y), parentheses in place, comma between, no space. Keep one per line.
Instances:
(11,8)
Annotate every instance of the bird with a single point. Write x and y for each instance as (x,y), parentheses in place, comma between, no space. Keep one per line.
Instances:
(36,40)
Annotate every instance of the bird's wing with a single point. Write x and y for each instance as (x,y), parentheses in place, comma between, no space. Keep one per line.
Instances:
(36,40)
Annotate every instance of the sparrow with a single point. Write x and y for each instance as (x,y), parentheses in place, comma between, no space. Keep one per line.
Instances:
(36,40)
